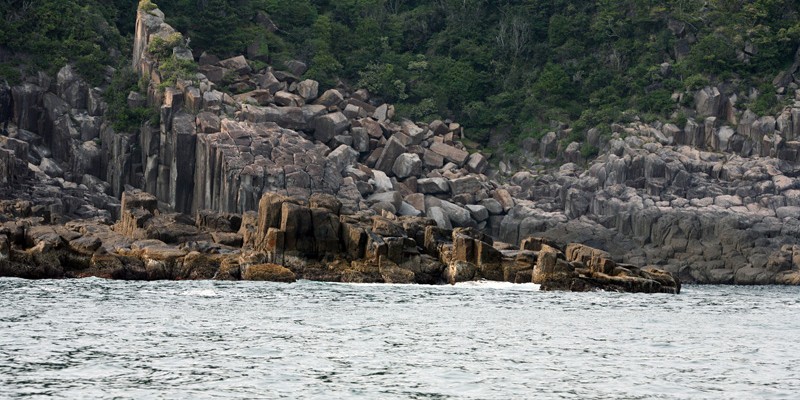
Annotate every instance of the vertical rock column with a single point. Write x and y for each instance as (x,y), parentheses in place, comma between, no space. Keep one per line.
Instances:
(183,137)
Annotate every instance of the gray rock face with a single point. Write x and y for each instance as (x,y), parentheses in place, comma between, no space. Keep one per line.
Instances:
(72,88)
(27,106)
(458,216)
(548,145)
(382,182)
(689,199)
(393,149)
(477,163)
(438,215)
(433,185)
(407,164)
(51,168)
(478,212)
(450,153)
(465,185)
(708,102)
(308,89)
(686,198)
(330,125)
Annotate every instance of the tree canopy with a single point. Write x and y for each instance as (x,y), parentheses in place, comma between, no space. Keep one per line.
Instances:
(509,65)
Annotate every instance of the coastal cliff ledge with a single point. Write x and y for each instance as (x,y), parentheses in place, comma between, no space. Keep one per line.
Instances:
(292,238)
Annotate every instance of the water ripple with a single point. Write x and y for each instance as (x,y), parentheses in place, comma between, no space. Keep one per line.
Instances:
(104,339)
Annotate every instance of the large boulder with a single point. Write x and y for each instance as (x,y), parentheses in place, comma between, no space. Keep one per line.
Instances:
(708,102)
(238,64)
(433,185)
(308,89)
(450,153)
(393,149)
(407,164)
(330,125)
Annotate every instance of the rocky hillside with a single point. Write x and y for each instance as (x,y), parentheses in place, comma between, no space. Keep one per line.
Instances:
(712,199)
(284,182)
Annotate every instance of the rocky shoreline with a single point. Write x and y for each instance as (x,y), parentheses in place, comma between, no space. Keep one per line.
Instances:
(282,182)
(293,238)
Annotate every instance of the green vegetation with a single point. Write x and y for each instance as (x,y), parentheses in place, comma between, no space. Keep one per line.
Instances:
(147,5)
(47,34)
(516,66)
(126,119)
(161,48)
(173,69)
(509,66)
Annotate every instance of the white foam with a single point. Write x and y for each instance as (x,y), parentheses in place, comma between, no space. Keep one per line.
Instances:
(200,293)
(499,285)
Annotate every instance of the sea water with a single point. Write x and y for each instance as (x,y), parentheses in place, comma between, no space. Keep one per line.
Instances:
(93,338)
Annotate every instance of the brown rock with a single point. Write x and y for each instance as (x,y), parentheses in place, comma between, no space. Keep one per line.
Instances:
(551,267)
(392,273)
(268,272)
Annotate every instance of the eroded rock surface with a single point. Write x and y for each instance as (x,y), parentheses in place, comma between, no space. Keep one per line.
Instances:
(329,185)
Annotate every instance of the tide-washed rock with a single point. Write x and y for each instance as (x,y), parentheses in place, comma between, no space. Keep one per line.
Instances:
(268,272)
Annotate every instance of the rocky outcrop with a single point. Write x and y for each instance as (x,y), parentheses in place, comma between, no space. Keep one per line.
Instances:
(293,238)
(708,217)
(582,268)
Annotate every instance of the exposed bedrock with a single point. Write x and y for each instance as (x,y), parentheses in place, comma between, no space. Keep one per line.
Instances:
(297,238)
(331,184)
(711,217)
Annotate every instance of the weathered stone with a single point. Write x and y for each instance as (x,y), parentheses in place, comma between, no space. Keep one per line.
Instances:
(308,89)
(407,164)
(504,198)
(382,182)
(286,99)
(467,184)
(268,272)
(381,114)
(708,102)
(330,125)
(551,266)
(438,215)
(432,159)
(477,163)
(330,98)
(597,260)
(391,151)
(259,97)
(433,185)
(459,271)
(269,82)
(238,64)
(392,197)
(548,145)
(450,153)
(479,213)
(458,216)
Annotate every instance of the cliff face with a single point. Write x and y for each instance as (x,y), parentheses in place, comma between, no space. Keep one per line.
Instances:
(709,202)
